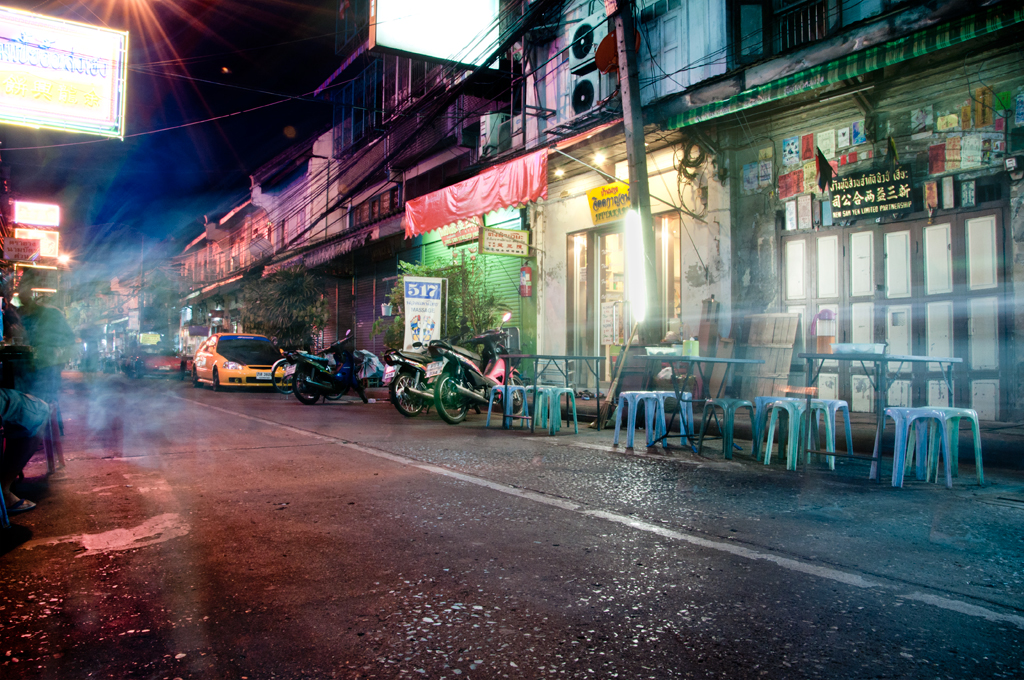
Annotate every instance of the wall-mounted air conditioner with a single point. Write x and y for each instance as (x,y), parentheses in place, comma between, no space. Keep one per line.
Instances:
(586,36)
(587,91)
(495,134)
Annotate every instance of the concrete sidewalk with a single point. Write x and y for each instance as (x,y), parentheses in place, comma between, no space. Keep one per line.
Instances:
(1002,443)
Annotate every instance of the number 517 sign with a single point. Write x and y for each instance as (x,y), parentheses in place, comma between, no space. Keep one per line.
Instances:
(422,309)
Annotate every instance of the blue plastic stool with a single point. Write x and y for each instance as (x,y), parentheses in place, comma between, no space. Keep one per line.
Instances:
(552,416)
(631,400)
(795,410)
(685,409)
(729,408)
(829,408)
(761,418)
(507,393)
(903,419)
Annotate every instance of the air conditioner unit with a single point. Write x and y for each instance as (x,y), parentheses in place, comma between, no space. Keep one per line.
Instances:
(587,91)
(586,36)
(495,134)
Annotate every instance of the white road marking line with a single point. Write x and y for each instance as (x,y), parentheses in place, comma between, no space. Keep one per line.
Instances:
(828,573)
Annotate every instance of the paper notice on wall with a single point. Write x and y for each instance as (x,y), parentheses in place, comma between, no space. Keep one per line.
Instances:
(811,177)
(611,323)
(970,152)
(803,212)
(952,153)
(827,143)
(422,309)
(764,173)
(791,151)
(750,177)
(1018,110)
(790,215)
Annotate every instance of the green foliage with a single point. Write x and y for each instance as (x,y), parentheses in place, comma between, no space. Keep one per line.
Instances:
(289,306)
(472,307)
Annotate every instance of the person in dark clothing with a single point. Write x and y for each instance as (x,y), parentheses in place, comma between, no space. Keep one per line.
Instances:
(23,417)
(49,335)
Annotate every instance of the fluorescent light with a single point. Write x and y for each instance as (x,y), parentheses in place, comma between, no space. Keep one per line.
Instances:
(636,281)
(559,172)
(598,159)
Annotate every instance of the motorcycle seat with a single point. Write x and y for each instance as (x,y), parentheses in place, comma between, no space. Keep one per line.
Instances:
(468,353)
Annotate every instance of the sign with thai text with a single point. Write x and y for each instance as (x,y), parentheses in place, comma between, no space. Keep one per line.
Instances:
(62,75)
(49,241)
(422,309)
(872,194)
(515,242)
(38,214)
(21,249)
(460,232)
(608,203)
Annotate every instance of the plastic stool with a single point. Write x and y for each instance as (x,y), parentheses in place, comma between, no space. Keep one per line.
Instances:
(829,408)
(552,417)
(761,418)
(685,409)
(795,409)
(507,393)
(928,441)
(729,408)
(904,418)
(631,400)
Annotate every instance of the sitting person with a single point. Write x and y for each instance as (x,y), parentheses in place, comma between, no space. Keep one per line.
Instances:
(23,416)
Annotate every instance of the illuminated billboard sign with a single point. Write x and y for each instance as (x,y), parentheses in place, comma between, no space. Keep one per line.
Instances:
(62,75)
(462,31)
(49,241)
(39,214)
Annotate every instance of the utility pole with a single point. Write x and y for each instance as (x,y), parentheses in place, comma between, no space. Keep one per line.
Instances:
(636,155)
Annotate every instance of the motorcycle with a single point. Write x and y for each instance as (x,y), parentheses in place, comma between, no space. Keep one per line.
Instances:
(405,375)
(465,378)
(314,377)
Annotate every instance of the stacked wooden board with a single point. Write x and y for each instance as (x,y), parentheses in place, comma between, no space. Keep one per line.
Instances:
(770,339)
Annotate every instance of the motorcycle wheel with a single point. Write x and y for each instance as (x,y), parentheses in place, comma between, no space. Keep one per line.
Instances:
(517,399)
(305,392)
(449,404)
(409,405)
(335,396)
(282,383)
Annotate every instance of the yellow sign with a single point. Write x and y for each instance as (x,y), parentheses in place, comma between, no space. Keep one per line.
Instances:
(514,242)
(608,203)
(149,338)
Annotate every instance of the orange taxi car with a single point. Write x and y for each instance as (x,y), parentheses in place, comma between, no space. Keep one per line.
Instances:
(234,360)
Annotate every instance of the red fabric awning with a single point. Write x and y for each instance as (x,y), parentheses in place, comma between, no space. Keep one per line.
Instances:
(516,182)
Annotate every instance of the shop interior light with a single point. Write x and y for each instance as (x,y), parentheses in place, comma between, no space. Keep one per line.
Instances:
(559,172)
(598,159)
(636,283)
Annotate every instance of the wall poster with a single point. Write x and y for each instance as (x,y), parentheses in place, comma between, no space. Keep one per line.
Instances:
(422,309)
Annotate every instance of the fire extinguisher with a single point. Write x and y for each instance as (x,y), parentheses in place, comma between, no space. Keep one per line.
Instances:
(525,281)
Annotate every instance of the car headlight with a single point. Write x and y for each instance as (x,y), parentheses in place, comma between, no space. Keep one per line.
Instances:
(232,366)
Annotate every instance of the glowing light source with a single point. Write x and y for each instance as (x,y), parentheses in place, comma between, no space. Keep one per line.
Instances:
(63,258)
(49,241)
(559,172)
(636,284)
(38,214)
(599,158)
(62,75)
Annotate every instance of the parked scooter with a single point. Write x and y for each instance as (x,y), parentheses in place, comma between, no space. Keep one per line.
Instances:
(406,377)
(467,377)
(314,377)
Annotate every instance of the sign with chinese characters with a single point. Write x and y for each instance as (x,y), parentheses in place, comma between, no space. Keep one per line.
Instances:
(608,203)
(515,242)
(21,249)
(38,214)
(460,232)
(872,194)
(422,309)
(62,75)
(49,241)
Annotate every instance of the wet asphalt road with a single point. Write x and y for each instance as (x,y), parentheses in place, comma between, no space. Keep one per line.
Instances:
(243,535)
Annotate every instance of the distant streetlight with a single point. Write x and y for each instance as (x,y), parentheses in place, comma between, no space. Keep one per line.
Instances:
(63,258)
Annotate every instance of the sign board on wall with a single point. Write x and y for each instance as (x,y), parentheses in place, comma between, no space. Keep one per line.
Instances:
(461,31)
(37,214)
(460,232)
(872,194)
(515,242)
(608,203)
(62,75)
(21,249)
(422,309)
(49,241)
